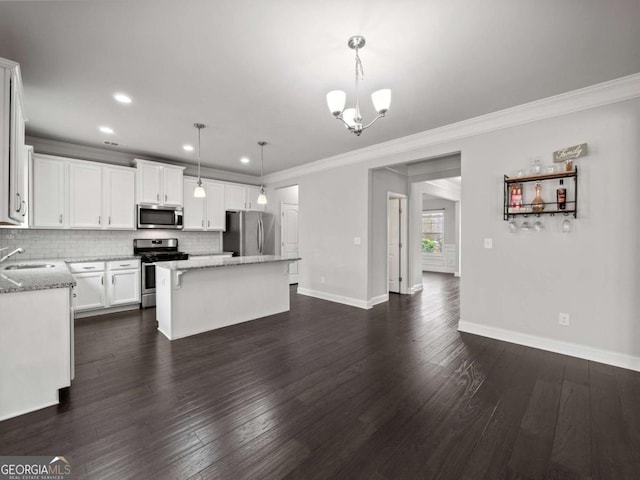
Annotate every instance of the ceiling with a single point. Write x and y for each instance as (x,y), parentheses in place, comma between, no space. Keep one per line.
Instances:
(255,70)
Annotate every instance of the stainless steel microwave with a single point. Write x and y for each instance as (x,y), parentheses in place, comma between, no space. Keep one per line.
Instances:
(156,216)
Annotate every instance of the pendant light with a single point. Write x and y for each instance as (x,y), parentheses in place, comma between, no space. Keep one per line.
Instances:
(199,191)
(262,198)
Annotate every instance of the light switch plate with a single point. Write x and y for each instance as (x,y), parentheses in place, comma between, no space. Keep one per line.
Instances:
(488,243)
(356,240)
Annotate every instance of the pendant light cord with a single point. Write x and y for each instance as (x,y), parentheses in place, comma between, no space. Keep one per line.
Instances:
(199,130)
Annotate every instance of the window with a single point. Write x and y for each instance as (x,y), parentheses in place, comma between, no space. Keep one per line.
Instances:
(432,232)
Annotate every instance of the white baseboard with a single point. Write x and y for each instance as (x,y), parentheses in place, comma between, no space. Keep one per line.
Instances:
(558,346)
(437,269)
(377,300)
(416,288)
(354,302)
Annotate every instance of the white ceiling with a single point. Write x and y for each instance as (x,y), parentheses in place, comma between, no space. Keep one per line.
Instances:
(255,70)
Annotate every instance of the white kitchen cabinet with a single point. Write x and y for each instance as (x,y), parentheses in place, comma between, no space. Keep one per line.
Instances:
(89,292)
(82,195)
(124,286)
(193,207)
(104,285)
(204,213)
(159,184)
(242,197)
(49,192)
(172,186)
(215,202)
(13,185)
(252,199)
(85,195)
(119,198)
(235,197)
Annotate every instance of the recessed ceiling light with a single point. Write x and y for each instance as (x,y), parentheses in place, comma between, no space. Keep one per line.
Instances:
(187,148)
(122,98)
(245,160)
(105,129)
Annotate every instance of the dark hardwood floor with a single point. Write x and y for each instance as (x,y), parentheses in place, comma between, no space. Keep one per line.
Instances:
(330,391)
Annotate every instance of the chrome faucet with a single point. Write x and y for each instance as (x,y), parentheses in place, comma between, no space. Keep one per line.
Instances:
(10,254)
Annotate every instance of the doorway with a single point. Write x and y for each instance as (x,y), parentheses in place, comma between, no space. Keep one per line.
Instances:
(397,274)
(289,237)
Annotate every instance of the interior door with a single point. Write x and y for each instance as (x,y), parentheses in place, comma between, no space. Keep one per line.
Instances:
(289,237)
(393,244)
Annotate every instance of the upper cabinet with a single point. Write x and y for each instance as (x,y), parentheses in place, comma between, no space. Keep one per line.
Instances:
(159,184)
(13,155)
(49,192)
(81,194)
(204,213)
(242,197)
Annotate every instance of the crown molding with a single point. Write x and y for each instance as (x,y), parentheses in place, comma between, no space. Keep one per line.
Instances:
(617,90)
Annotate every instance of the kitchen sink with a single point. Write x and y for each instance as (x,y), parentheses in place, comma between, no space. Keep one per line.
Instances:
(28,266)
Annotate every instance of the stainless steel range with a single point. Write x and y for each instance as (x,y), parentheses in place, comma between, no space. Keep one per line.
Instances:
(151,251)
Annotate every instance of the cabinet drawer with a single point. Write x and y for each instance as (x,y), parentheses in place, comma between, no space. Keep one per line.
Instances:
(123,264)
(84,267)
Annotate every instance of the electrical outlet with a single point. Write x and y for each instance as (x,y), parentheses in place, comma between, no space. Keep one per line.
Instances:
(356,240)
(564,320)
(322,280)
(488,243)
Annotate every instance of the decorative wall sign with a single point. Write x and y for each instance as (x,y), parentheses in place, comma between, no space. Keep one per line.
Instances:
(570,153)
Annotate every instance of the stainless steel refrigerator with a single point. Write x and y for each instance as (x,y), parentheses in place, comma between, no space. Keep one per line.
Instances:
(249,233)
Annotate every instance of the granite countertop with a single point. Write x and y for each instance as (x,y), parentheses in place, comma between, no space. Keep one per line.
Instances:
(101,258)
(194,264)
(211,254)
(57,276)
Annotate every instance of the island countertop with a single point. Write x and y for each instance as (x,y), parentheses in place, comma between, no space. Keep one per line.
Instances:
(195,263)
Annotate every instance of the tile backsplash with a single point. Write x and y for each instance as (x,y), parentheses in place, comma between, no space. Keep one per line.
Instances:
(54,244)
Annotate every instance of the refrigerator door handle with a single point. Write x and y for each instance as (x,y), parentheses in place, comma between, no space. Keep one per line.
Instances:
(261,233)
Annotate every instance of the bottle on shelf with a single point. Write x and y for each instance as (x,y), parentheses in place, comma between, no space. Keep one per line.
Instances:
(561,196)
(537,204)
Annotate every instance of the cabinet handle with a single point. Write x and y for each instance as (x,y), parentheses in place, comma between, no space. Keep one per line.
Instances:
(99,220)
(202,223)
(88,268)
(20,202)
(113,280)
(24,204)
(157,196)
(101,279)
(125,264)
(60,219)
(208,223)
(165,197)
(109,220)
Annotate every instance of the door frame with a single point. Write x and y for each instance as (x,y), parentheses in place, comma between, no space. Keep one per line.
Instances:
(282,223)
(404,242)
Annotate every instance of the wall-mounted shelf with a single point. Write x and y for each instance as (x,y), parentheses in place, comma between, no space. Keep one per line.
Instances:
(550,208)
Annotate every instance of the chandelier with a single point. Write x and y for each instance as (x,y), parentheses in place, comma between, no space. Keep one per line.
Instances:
(351,117)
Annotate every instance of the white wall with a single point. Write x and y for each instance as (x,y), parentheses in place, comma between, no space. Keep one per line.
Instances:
(518,288)
(333,208)
(382,182)
(431,263)
(276,196)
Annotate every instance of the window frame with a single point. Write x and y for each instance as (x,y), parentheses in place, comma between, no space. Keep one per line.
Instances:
(441,213)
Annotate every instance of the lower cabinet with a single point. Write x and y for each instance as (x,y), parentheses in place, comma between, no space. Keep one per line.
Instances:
(103,285)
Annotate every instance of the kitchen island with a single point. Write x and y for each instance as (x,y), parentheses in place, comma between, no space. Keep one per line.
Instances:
(198,295)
